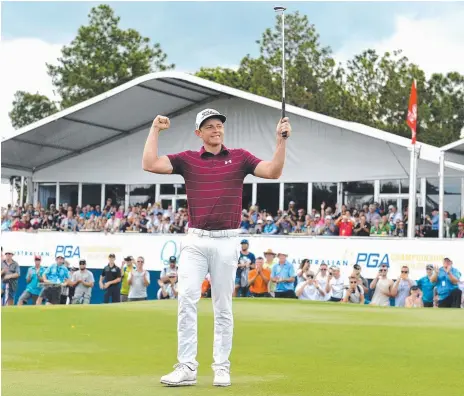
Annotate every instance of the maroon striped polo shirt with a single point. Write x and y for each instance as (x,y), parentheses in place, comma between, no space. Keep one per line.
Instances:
(214,185)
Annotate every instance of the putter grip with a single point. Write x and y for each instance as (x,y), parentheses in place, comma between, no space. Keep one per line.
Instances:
(284,133)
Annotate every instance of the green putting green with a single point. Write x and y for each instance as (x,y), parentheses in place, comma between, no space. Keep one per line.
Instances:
(280,348)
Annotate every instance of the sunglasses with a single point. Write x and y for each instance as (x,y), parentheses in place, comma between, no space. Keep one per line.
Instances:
(405,272)
(38,260)
(139,261)
(383,270)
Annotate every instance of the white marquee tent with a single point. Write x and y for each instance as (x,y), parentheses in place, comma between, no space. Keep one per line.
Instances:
(101,140)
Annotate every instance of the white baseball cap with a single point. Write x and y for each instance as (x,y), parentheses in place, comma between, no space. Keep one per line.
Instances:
(208,113)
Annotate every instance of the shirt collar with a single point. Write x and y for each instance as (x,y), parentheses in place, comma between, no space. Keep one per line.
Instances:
(204,153)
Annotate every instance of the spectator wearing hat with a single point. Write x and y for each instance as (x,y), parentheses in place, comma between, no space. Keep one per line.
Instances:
(427,286)
(83,281)
(34,277)
(245,223)
(447,278)
(269,261)
(328,228)
(10,275)
(258,279)
(139,280)
(170,271)
(127,267)
(283,274)
(109,281)
(55,277)
(246,262)
(270,228)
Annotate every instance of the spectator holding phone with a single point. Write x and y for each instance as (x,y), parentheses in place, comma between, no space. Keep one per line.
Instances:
(382,286)
(309,289)
(402,286)
(414,300)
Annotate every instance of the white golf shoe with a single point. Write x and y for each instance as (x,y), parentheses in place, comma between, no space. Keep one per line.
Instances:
(221,377)
(182,375)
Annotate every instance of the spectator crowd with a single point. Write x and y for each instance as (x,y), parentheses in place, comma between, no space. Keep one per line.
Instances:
(368,221)
(269,275)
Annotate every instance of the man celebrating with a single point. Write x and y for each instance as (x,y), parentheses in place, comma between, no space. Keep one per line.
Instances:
(447,278)
(214,183)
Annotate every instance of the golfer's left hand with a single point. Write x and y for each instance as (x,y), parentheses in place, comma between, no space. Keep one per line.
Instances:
(283,126)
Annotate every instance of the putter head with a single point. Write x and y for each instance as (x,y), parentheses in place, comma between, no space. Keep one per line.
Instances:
(277,9)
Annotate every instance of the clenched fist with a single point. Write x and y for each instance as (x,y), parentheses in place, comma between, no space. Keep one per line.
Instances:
(283,126)
(161,123)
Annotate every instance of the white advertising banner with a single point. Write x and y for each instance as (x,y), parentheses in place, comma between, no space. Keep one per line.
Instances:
(370,253)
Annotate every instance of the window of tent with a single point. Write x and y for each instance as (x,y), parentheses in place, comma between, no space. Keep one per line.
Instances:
(268,197)
(247,195)
(169,189)
(452,196)
(324,192)
(69,194)
(47,194)
(389,186)
(117,193)
(296,192)
(91,194)
(358,193)
(142,194)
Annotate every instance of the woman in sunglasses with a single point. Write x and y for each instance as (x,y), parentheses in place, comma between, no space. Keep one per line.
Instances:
(382,286)
(402,286)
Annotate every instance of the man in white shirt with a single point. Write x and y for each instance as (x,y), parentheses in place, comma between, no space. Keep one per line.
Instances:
(335,285)
(310,289)
(139,280)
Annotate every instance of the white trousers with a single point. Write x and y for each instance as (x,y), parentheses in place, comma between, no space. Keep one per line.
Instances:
(200,255)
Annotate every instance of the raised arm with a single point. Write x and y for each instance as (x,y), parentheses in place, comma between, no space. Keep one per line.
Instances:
(273,169)
(150,160)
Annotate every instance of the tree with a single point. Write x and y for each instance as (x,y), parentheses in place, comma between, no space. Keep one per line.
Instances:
(313,80)
(28,108)
(101,57)
(372,89)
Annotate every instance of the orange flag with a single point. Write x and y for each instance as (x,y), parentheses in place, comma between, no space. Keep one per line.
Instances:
(411,120)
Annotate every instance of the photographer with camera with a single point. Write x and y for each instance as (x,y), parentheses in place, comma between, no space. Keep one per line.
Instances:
(353,293)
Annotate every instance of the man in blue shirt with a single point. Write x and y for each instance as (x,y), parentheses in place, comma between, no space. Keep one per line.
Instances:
(427,287)
(447,278)
(33,280)
(270,227)
(283,274)
(55,277)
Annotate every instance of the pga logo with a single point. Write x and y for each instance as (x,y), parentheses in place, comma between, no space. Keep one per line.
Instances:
(68,251)
(372,260)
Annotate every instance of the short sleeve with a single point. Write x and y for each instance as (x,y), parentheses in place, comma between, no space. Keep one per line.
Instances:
(92,279)
(273,272)
(17,269)
(177,162)
(66,274)
(291,272)
(118,272)
(250,162)
(74,276)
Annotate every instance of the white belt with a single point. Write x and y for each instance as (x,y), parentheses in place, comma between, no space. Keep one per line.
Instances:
(214,234)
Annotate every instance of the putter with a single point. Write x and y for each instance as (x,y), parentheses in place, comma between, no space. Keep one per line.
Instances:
(282,10)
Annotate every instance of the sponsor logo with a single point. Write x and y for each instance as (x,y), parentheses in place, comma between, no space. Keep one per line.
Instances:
(68,251)
(373,260)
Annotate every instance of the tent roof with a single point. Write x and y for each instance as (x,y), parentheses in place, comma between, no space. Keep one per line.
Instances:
(131,107)
(456,147)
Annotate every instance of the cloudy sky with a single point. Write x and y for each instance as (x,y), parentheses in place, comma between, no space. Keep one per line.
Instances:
(220,34)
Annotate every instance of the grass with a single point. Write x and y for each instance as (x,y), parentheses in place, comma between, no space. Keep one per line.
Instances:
(280,348)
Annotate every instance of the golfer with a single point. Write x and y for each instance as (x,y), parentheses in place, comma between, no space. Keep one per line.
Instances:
(214,183)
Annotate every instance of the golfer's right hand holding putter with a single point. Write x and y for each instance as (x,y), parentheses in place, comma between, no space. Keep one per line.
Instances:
(161,123)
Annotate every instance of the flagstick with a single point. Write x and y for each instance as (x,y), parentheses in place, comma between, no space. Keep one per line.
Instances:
(412,194)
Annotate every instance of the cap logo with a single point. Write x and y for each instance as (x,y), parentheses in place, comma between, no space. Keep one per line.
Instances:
(208,112)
